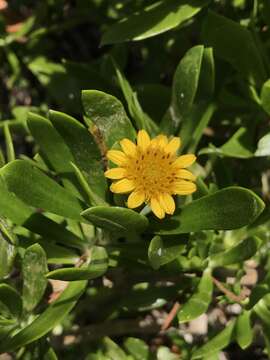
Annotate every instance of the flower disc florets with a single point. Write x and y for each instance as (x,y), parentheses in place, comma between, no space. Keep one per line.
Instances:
(152,172)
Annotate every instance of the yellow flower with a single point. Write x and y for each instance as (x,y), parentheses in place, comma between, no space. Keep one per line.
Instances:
(152,172)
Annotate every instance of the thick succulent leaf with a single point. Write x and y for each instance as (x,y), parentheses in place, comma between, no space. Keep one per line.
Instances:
(38,190)
(54,150)
(56,254)
(52,316)
(227,37)
(109,115)
(262,309)
(226,209)
(164,353)
(238,146)
(153,20)
(199,301)
(11,300)
(9,144)
(219,342)
(34,268)
(97,267)
(184,89)
(263,148)
(50,143)
(265,96)
(137,348)
(142,120)
(243,330)
(84,149)
(162,252)
(19,213)
(7,249)
(198,120)
(116,219)
(112,350)
(236,254)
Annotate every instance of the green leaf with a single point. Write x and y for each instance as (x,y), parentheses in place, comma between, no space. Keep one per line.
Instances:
(55,254)
(34,268)
(199,301)
(257,293)
(164,353)
(137,348)
(38,190)
(263,148)
(192,103)
(206,86)
(243,330)
(142,120)
(160,254)
(11,300)
(153,20)
(217,343)
(97,267)
(236,254)
(52,316)
(109,115)
(50,143)
(194,124)
(7,233)
(116,219)
(54,150)
(185,85)
(265,96)
(112,350)
(93,198)
(84,149)
(226,209)
(227,37)
(19,213)
(239,145)
(7,249)
(9,144)
(262,309)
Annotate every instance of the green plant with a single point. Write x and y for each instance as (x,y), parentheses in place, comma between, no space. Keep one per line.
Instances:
(78,265)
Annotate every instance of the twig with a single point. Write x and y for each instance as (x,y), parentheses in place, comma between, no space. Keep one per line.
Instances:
(170,316)
(228,293)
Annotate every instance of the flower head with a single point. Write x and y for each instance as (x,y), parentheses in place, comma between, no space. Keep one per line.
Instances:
(152,172)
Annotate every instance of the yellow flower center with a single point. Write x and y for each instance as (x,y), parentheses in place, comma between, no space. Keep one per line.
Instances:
(152,172)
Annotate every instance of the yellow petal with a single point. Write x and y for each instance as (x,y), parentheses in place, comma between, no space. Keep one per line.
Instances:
(157,209)
(135,199)
(143,140)
(115,173)
(183,187)
(117,157)
(167,202)
(162,140)
(128,147)
(122,186)
(173,145)
(184,161)
(185,174)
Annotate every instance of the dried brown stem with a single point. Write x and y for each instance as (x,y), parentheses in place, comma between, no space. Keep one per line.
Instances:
(228,293)
(170,316)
